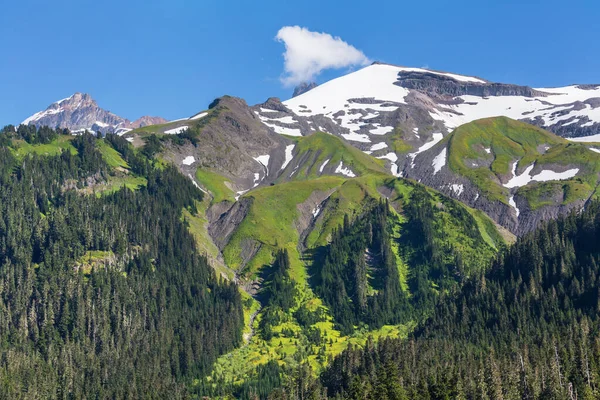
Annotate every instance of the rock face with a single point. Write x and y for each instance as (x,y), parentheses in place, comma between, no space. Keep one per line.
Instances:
(303,88)
(440,85)
(80,112)
(234,143)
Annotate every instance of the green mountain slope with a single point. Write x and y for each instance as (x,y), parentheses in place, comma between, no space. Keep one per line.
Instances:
(485,151)
(322,153)
(299,214)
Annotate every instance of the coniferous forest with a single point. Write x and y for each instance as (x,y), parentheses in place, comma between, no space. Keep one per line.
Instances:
(527,329)
(103,296)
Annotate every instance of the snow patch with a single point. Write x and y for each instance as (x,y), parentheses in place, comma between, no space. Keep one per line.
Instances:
(436,138)
(189,160)
(356,137)
(375,81)
(323,166)
(544,176)
(439,161)
(595,150)
(264,161)
(195,184)
(284,120)
(39,115)
(378,146)
(519,180)
(176,131)
(586,139)
(198,116)
(240,193)
(512,203)
(548,175)
(382,130)
(344,170)
(390,156)
(288,155)
(257,179)
(281,130)
(458,189)
(316,212)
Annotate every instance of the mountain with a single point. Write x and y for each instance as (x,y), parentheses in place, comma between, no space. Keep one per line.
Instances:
(401,115)
(349,214)
(370,104)
(517,173)
(80,112)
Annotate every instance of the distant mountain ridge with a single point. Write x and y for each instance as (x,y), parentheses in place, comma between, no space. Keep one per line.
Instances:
(80,112)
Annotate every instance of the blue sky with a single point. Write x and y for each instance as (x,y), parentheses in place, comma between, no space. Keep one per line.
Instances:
(171,58)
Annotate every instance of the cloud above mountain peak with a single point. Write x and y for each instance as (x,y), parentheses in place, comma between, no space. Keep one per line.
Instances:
(309,53)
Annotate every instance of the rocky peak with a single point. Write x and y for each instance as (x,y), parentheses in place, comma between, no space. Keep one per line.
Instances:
(146,121)
(303,88)
(80,112)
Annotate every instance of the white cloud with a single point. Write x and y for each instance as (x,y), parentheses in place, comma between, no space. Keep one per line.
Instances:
(308,53)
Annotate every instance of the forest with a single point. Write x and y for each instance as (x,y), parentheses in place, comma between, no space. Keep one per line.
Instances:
(525,329)
(106,295)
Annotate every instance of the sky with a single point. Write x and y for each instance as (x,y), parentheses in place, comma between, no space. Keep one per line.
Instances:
(172,58)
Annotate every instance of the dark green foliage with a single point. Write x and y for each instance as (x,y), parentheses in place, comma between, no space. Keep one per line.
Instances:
(264,380)
(152,147)
(30,134)
(344,276)
(141,322)
(527,329)
(278,294)
(137,162)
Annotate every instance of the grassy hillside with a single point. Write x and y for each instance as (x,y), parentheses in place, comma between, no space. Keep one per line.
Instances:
(311,153)
(485,150)
(272,223)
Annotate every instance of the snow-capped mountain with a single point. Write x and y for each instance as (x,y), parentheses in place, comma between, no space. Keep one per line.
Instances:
(80,112)
(381,100)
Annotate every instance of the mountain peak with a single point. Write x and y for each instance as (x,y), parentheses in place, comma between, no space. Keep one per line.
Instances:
(80,112)
(303,88)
